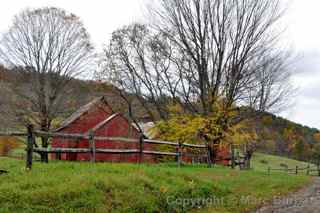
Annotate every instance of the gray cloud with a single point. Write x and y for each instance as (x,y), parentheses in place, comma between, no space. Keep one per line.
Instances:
(308,61)
(306,78)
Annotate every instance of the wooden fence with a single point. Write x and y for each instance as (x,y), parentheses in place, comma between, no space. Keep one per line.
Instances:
(31,135)
(308,170)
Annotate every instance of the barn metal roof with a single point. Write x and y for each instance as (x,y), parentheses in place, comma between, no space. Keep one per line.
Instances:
(110,118)
(100,125)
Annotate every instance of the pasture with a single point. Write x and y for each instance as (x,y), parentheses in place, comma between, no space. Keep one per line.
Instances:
(105,187)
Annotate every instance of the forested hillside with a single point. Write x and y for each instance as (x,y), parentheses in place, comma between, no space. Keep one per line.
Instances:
(276,135)
(285,138)
(78,93)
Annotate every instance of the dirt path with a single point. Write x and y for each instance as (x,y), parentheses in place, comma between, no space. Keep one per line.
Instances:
(304,201)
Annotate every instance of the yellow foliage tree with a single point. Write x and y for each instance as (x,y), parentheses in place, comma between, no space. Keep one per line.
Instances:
(192,128)
(214,129)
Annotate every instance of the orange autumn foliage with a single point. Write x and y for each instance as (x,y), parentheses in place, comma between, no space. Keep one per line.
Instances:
(317,137)
(7,144)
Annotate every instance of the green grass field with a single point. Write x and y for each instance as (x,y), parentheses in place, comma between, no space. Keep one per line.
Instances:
(102,187)
(262,162)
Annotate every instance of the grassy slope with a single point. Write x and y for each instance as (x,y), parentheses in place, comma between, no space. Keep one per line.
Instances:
(274,162)
(83,187)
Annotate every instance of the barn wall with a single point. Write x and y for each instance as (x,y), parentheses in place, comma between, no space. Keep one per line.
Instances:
(117,127)
(88,120)
(222,154)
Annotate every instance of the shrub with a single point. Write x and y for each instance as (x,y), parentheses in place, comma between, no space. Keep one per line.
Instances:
(7,144)
(263,161)
(283,165)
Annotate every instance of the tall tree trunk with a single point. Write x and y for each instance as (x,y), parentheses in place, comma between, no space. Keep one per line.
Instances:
(44,156)
(213,154)
(44,140)
(247,160)
(233,159)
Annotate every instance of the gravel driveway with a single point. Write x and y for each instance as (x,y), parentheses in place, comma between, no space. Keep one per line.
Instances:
(306,200)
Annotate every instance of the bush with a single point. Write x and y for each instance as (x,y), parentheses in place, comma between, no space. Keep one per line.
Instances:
(263,161)
(283,165)
(7,144)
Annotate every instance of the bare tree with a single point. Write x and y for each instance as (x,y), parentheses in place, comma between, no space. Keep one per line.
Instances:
(138,61)
(221,40)
(46,48)
(204,53)
(207,51)
(271,89)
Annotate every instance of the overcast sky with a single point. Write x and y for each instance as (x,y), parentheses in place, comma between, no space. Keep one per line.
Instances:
(101,17)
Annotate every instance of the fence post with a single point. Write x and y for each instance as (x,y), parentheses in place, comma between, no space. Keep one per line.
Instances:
(318,167)
(179,159)
(232,157)
(297,170)
(308,169)
(30,141)
(92,146)
(141,148)
(209,155)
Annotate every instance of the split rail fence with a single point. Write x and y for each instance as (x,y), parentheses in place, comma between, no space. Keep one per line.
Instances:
(31,135)
(308,170)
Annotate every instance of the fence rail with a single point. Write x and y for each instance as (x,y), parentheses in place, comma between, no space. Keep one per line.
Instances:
(13,134)
(61,135)
(31,135)
(84,150)
(304,170)
(161,142)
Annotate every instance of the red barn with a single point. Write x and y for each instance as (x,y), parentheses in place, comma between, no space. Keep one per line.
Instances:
(222,156)
(100,118)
